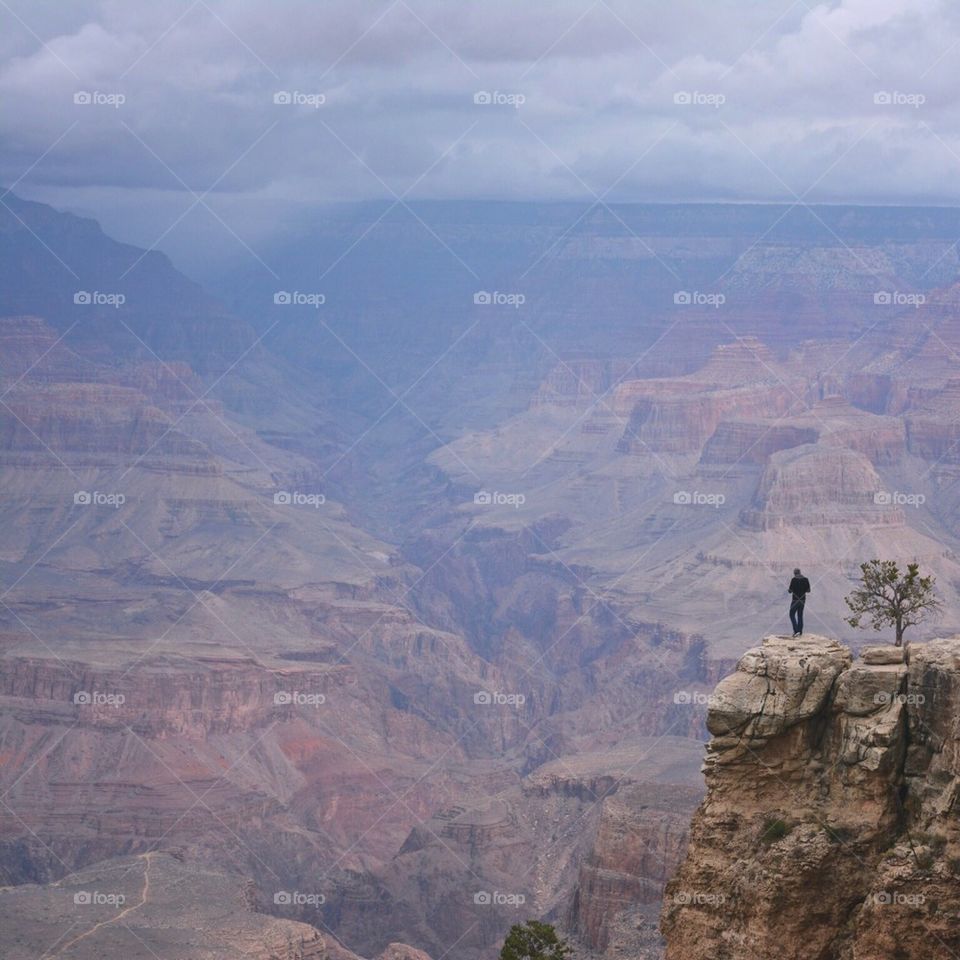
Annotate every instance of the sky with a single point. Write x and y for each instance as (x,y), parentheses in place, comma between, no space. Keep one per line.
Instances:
(155,116)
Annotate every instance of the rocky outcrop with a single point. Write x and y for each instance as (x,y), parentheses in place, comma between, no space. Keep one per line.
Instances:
(830,826)
(753,441)
(682,421)
(876,392)
(931,423)
(815,485)
(831,421)
(741,380)
(80,417)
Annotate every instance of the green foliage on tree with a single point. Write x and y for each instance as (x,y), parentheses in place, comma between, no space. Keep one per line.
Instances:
(534,941)
(888,598)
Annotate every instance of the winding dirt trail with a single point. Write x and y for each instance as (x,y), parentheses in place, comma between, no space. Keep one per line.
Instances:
(105,923)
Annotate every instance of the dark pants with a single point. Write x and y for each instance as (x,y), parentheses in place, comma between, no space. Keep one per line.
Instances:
(796,615)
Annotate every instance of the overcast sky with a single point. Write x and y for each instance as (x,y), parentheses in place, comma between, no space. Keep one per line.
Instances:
(687,99)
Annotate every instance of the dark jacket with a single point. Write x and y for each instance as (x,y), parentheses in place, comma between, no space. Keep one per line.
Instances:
(799,588)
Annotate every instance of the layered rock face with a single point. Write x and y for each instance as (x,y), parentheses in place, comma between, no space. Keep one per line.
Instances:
(640,841)
(810,485)
(586,840)
(264,689)
(683,423)
(741,380)
(723,480)
(400,600)
(832,421)
(830,827)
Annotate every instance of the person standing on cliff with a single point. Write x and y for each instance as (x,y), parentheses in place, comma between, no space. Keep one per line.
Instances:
(798,590)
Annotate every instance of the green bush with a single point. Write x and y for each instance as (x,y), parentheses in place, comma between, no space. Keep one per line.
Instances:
(534,941)
(774,829)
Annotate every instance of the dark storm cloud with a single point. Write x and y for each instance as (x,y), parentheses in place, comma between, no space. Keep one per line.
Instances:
(752,100)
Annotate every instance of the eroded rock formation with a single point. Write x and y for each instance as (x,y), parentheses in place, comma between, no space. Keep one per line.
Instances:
(830,827)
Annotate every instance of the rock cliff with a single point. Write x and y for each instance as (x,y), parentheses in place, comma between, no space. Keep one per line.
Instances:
(831,824)
(640,840)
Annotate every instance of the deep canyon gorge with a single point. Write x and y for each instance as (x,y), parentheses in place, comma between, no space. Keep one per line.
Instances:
(369,628)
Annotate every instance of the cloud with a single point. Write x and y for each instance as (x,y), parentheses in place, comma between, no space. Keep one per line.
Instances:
(847,100)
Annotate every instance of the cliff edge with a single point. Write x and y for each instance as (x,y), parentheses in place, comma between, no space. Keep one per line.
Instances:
(831,825)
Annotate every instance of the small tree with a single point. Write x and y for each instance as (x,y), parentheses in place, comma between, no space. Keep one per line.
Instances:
(534,941)
(889,599)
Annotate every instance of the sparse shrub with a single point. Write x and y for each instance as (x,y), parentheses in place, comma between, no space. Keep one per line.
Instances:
(774,829)
(534,941)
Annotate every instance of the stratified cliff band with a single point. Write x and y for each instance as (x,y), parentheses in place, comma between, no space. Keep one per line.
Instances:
(831,825)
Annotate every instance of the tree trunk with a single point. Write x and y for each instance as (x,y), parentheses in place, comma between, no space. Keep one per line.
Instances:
(899,642)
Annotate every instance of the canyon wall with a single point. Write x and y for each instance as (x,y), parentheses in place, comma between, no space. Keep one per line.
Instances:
(831,824)
(221,531)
